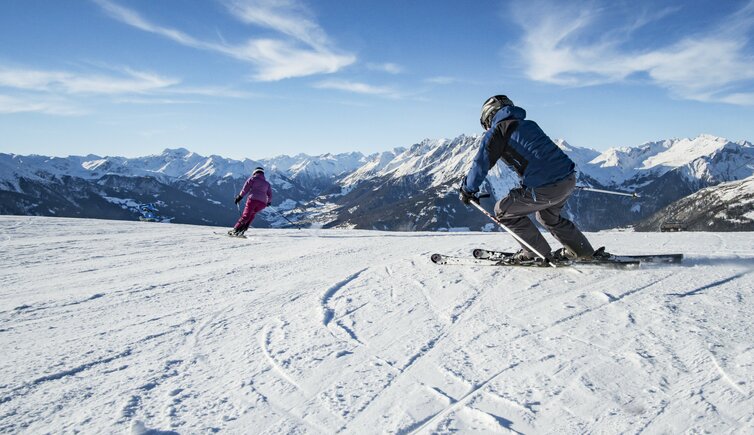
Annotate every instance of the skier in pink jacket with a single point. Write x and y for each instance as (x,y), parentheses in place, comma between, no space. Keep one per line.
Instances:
(260,196)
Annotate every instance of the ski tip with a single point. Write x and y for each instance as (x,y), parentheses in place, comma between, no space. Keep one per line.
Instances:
(479,253)
(436,258)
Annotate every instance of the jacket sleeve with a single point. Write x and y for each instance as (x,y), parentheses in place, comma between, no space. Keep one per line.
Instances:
(247,186)
(269,193)
(480,166)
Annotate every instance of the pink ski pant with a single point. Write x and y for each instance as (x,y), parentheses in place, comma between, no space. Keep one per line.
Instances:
(252,208)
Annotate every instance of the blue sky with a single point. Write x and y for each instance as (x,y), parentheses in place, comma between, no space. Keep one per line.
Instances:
(259,78)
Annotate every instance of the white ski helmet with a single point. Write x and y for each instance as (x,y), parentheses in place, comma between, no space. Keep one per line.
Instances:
(490,108)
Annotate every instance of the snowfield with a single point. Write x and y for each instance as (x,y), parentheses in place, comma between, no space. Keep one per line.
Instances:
(130,327)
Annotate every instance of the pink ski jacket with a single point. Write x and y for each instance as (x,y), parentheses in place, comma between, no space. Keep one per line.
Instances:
(258,188)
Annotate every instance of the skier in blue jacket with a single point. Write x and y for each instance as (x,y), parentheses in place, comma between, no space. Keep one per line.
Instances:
(547,176)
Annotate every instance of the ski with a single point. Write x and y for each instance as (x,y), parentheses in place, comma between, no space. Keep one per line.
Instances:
(228,235)
(469,261)
(644,258)
(472,261)
(654,258)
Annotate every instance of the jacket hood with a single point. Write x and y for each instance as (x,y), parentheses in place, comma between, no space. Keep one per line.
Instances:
(509,112)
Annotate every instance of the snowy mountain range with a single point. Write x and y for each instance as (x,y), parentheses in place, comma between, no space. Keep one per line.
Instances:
(186,187)
(412,188)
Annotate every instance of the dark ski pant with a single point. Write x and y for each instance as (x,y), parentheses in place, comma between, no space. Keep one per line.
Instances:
(547,201)
(252,208)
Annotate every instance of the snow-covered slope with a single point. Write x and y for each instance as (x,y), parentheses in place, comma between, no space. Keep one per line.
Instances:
(328,166)
(372,167)
(705,158)
(13,167)
(727,206)
(171,328)
(580,156)
(432,162)
(410,189)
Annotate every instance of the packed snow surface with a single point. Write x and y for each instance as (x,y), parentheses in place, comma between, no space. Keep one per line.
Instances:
(116,327)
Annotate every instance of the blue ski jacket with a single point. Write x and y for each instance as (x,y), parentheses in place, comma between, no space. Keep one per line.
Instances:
(523,146)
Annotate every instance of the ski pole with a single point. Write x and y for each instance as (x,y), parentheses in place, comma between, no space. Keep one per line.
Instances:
(515,236)
(610,192)
(281,214)
(236,190)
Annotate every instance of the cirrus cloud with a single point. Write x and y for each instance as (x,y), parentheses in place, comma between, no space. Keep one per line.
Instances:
(355,87)
(132,81)
(567,46)
(303,48)
(9,104)
(389,67)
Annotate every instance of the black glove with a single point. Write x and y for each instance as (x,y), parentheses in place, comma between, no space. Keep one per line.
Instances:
(466,197)
(269,203)
(238,199)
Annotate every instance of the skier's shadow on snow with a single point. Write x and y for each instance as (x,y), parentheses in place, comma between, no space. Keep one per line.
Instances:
(701,289)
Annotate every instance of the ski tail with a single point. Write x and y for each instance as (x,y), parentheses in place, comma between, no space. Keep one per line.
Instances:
(654,258)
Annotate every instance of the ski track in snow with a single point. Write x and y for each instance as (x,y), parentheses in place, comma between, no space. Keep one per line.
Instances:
(172,328)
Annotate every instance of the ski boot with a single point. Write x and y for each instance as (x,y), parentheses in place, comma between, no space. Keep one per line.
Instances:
(523,258)
(235,233)
(566,255)
(563,254)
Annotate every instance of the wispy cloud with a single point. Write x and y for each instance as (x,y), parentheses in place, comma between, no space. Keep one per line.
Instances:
(277,60)
(741,98)
(356,87)
(71,83)
(441,80)
(288,17)
(303,48)
(306,50)
(10,104)
(210,91)
(57,92)
(132,18)
(152,101)
(390,68)
(568,46)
